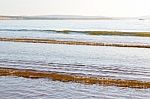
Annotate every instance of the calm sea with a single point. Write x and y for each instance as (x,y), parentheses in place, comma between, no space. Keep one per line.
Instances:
(85,61)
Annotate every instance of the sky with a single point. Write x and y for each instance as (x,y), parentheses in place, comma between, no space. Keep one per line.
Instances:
(113,8)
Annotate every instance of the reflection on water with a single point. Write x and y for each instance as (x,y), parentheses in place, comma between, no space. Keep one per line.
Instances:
(46,89)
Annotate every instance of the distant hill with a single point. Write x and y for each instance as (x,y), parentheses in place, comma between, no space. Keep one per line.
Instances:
(70,17)
(4,18)
(54,17)
(10,17)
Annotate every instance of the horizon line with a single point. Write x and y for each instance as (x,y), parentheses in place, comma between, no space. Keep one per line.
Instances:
(74,15)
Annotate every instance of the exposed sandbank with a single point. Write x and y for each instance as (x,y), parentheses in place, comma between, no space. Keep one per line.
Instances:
(48,41)
(26,73)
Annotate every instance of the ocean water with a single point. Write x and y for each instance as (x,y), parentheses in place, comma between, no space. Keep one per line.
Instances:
(85,61)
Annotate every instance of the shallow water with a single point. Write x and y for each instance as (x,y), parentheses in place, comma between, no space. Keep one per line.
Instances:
(76,37)
(89,60)
(46,29)
(121,25)
(45,89)
(79,61)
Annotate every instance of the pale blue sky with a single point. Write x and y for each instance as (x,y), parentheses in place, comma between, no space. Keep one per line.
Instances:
(76,7)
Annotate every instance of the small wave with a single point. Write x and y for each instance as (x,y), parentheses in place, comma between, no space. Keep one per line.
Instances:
(66,77)
(49,41)
(117,33)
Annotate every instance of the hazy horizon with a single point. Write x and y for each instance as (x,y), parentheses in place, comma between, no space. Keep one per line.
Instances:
(77,16)
(109,8)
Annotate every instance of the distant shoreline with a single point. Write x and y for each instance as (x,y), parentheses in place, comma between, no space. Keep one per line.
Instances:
(64,17)
(58,19)
(8,18)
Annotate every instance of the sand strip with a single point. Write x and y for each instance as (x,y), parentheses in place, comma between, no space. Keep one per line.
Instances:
(33,74)
(48,41)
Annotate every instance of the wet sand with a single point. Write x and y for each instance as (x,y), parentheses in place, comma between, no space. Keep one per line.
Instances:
(28,73)
(48,41)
